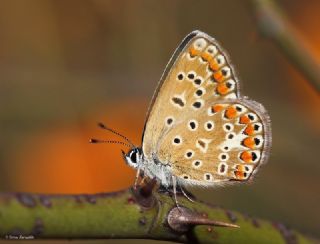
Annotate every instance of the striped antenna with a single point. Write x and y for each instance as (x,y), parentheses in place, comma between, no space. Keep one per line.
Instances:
(103,126)
(107,141)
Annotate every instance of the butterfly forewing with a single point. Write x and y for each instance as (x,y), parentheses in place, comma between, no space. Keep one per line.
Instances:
(198,124)
(199,70)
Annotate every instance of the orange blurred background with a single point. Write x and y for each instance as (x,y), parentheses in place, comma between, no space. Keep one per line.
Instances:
(65,65)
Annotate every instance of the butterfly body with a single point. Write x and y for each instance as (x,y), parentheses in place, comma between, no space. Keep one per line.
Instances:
(152,168)
(199,129)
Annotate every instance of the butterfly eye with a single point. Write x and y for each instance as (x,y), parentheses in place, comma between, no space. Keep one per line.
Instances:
(192,125)
(133,156)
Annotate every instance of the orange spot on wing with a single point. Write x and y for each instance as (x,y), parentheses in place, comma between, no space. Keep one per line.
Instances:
(249,142)
(246,156)
(240,172)
(239,175)
(218,76)
(217,108)
(249,130)
(222,89)
(213,65)
(244,119)
(193,52)
(206,57)
(231,113)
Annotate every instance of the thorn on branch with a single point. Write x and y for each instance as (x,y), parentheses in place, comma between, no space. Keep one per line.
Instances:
(181,219)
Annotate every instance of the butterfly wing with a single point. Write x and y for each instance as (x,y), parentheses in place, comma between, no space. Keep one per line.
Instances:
(199,76)
(198,63)
(226,141)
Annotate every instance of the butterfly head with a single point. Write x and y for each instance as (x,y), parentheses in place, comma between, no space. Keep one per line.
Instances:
(134,157)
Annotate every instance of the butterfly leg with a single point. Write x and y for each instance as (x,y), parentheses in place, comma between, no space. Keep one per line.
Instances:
(136,179)
(185,194)
(174,185)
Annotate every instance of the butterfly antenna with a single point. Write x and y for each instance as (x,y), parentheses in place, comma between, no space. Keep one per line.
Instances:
(113,142)
(103,126)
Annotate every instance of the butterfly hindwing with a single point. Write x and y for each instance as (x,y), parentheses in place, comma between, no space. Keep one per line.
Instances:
(226,141)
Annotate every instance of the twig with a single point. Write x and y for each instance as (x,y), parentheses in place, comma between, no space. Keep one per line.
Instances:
(273,23)
(132,214)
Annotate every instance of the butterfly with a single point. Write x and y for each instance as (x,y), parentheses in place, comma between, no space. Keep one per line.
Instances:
(199,130)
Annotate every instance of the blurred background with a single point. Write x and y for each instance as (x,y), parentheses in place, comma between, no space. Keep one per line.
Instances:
(64,65)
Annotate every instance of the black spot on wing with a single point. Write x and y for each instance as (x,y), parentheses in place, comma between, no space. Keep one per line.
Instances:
(178,101)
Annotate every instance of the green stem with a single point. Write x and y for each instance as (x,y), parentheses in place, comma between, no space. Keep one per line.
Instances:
(127,214)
